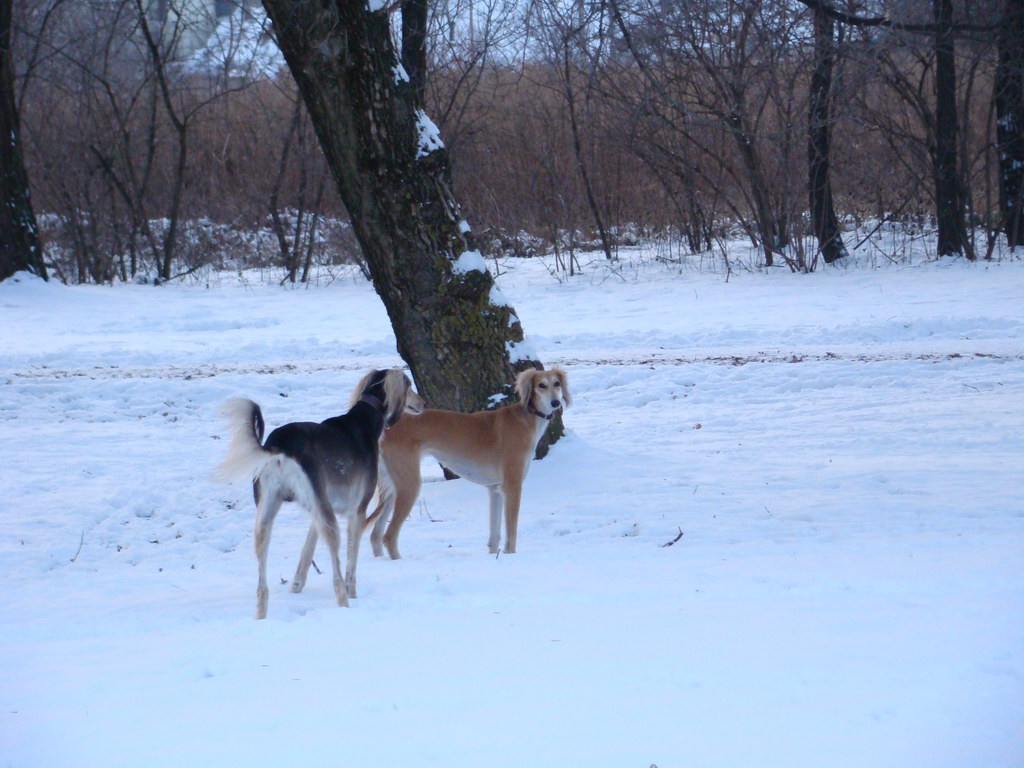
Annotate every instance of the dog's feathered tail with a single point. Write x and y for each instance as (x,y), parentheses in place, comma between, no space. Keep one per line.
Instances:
(246,454)
(385,495)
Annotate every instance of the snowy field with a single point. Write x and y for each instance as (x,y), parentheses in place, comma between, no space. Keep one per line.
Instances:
(843,453)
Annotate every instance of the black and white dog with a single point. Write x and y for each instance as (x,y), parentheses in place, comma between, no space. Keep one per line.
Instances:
(329,468)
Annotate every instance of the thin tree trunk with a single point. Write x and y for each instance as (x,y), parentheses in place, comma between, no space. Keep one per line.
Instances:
(819,144)
(277,223)
(949,209)
(766,225)
(170,245)
(165,262)
(577,145)
(19,238)
(462,341)
(1009,99)
(311,237)
(414,47)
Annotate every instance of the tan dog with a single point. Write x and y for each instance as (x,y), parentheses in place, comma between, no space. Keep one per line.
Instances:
(490,448)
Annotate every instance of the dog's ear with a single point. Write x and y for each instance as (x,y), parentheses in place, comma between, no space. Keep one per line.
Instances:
(360,388)
(524,385)
(563,377)
(396,391)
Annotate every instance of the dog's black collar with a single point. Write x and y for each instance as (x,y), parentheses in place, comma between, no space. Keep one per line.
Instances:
(373,400)
(533,409)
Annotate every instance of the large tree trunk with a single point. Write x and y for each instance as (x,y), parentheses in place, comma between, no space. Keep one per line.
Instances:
(819,144)
(462,341)
(1009,98)
(949,208)
(19,239)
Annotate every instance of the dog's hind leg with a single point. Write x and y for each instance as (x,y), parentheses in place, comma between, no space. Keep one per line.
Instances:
(305,559)
(266,511)
(495,499)
(406,491)
(329,530)
(356,523)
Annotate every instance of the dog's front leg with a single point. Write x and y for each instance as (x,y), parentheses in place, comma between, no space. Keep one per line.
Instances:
(512,497)
(305,559)
(495,498)
(512,490)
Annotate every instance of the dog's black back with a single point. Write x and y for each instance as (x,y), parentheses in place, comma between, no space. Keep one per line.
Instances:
(339,449)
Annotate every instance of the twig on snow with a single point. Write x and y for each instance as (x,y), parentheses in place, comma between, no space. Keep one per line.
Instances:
(81,541)
(677,538)
(425,510)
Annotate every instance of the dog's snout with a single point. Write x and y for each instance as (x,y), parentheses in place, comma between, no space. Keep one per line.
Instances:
(556,404)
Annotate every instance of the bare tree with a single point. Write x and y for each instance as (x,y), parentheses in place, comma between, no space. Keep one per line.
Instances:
(941,122)
(574,49)
(181,106)
(114,118)
(1009,103)
(712,64)
(824,221)
(19,237)
(949,187)
(296,228)
(470,74)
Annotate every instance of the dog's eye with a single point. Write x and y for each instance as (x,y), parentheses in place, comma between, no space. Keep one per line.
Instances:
(558,383)
(542,385)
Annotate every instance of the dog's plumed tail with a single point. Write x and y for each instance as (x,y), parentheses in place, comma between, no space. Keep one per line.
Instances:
(246,454)
(385,495)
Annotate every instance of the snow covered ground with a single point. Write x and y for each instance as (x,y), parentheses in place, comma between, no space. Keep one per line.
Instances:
(843,453)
